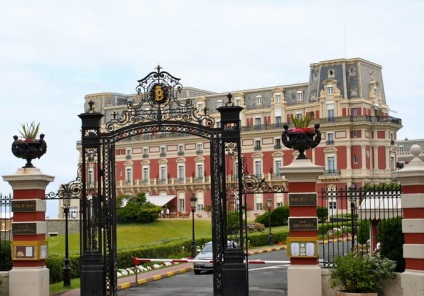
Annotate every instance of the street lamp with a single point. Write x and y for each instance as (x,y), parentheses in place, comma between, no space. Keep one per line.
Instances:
(66,267)
(193,200)
(269,204)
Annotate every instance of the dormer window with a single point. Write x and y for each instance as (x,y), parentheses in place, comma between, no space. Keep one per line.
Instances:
(278,98)
(330,73)
(299,95)
(200,106)
(259,100)
(238,102)
(219,103)
(330,90)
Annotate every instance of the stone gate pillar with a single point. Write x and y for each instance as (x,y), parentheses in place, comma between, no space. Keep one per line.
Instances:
(412,181)
(29,275)
(304,273)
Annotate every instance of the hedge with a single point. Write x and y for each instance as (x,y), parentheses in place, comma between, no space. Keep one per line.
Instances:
(175,249)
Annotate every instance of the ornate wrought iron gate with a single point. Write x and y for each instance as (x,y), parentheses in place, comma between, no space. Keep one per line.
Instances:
(157,109)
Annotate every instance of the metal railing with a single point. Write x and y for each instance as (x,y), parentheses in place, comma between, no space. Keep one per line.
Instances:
(351,214)
(6,219)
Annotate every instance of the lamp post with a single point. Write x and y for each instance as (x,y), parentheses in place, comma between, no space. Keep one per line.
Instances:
(269,205)
(193,200)
(66,267)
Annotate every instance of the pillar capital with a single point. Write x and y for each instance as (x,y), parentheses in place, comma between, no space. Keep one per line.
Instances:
(302,170)
(28,178)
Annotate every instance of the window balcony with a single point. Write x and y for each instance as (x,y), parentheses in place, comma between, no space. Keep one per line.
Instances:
(162,154)
(199,152)
(180,153)
(332,172)
(180,180)
(198,179)
(277,146)
(329,142)
(163,181)
(145,155)
(128,156)
(257,148)
(277,176)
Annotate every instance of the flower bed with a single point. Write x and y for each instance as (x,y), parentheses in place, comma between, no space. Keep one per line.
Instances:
(142,268)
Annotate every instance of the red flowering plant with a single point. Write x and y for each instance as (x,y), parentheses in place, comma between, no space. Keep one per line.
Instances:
(301,124)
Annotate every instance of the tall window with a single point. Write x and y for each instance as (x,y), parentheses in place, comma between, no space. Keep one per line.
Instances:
(331,164)
(258,203)
(163,173)
(181,172)
(258,122)
(277,167)
(330,111)
(278,120)
(199,171)
(145,174)
(180,150)
(162,151)
(330,90)
(181,205)
(330,139)
(199,148)
(129,175)
(200,106)
(277,143)
(258,168)
(257,146)
(145,152)
(238,102)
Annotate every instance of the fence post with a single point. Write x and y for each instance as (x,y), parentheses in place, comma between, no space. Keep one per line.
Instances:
(412,180)
(302,245)
(29,275)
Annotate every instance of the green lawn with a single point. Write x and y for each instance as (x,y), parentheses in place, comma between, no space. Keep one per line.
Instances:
(136,235)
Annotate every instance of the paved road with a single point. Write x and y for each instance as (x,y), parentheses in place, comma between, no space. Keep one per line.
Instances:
(269,279)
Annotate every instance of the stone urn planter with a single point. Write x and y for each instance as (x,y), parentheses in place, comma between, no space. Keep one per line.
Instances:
(29,149)
(301,139)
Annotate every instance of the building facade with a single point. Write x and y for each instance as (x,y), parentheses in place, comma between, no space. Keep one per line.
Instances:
(345,96)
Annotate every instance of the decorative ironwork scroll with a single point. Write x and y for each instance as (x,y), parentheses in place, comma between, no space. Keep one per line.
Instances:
(157,101)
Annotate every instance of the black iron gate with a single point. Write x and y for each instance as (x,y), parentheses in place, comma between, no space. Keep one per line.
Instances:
(157,109)
(349,216)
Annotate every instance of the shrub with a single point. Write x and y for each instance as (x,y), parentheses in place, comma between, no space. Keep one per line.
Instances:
(391,236)
(279,217)
(322,213)
(363,231)
(5,255)
(361,274)
(255,227)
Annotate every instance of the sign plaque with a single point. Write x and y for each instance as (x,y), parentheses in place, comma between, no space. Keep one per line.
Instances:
(302,199)
(24,228)
(23,206)
(303,223)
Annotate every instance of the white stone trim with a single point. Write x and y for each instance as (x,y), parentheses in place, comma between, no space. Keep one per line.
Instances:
(413,225)
(28,178)
(415,251)
(413,200)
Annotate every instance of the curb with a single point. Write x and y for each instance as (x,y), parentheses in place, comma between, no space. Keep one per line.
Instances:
(183,270)
(153,278)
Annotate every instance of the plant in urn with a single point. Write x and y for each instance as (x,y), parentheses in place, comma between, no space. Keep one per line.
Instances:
(28,147)
(301,137)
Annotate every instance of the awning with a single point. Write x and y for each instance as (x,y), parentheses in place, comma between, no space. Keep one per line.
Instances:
(160,200)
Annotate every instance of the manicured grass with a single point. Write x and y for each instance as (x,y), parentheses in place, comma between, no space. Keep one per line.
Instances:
(136,235)
(57,288)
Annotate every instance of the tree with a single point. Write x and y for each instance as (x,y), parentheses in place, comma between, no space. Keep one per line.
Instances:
(135,209)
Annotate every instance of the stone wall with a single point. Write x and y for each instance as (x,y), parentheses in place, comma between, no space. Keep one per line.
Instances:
(58,226)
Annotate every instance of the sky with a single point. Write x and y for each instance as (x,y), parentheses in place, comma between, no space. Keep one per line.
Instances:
(53,53)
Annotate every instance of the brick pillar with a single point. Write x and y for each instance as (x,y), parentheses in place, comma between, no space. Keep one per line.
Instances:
(302,244)
(29,275)
(412,180)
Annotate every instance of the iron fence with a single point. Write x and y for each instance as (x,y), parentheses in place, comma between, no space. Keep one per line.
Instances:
(6,218)
(350,219)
